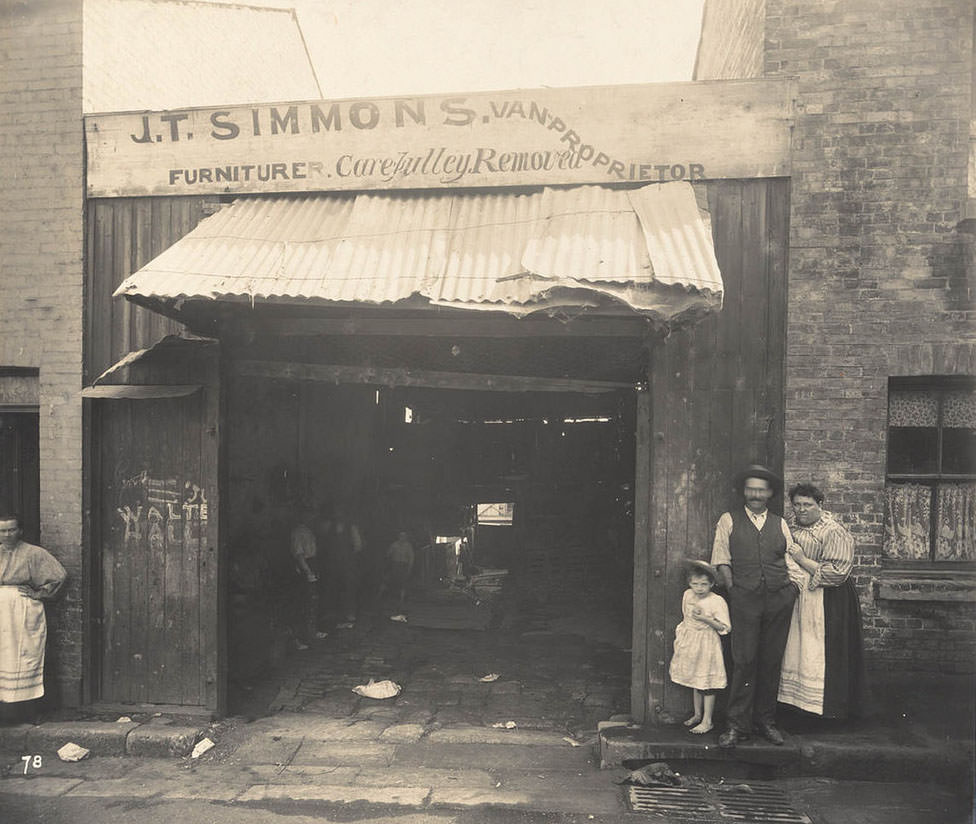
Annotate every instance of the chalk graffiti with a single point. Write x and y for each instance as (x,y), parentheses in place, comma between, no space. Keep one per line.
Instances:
(162,510)
(196,504)
(131,519)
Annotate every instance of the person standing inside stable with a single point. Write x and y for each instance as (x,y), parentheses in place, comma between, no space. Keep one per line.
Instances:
(347,546)
(399,565)
(29,575)
(304,552)
(750,554)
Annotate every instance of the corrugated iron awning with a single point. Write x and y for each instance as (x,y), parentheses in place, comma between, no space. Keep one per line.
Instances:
(549,249)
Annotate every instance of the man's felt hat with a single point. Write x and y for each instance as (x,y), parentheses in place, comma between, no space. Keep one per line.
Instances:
(759,471)
(705,568)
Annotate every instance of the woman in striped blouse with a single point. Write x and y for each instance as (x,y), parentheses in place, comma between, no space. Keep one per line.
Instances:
(823,668)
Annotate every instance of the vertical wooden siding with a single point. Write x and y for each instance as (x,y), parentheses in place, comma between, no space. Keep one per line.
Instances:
(158,567)
(123,235)
(717,404)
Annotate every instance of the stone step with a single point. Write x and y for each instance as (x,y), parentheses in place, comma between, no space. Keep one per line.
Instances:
(853,756)
(153,739)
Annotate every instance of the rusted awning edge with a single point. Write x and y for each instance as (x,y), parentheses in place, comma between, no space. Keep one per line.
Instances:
(124,391)
(183,339)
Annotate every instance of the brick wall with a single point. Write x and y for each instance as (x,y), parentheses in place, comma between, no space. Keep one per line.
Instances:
(878,281)
(41,244)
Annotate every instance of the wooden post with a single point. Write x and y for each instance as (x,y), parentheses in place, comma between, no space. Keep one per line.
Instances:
(642,552)
(214,572)
(663,414)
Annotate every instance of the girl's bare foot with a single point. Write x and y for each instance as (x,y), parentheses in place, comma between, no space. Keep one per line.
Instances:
(693,720)
(703,727)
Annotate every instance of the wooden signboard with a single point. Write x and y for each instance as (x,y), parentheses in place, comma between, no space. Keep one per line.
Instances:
(612,134)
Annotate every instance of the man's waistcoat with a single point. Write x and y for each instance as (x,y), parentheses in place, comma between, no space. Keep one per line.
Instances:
(758,556)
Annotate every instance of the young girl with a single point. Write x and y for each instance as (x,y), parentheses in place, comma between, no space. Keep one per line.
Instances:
(697,661)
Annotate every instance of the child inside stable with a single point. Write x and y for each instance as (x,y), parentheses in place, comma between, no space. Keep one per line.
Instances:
(697,661)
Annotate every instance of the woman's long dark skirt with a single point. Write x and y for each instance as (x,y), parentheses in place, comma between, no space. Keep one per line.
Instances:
(845,681)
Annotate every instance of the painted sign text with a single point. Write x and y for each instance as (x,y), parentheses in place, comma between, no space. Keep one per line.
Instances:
(654,133)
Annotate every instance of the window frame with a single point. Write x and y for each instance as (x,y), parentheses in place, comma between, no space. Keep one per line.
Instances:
(495,521)
(941,386)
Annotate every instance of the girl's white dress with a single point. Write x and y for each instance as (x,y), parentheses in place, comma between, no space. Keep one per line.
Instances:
(697,661)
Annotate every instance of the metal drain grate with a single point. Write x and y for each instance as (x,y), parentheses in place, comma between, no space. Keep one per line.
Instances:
(757,803)
(747,803)
(677,803)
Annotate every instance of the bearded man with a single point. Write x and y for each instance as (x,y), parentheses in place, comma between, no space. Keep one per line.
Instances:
(750,553)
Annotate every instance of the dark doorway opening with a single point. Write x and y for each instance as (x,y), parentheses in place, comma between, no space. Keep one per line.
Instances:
(20,485)
(518,507)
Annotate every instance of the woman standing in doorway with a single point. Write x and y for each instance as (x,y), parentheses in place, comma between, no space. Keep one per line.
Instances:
(29,576)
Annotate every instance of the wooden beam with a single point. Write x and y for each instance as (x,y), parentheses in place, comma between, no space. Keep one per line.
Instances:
(198,316)
(139,391)
(333,373)
(160,307)
(474,326)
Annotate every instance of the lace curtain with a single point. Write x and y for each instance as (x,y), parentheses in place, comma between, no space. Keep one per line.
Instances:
(908,519)
(907,514)
(956,536)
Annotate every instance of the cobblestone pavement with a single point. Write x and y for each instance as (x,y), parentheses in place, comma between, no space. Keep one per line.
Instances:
(546,679)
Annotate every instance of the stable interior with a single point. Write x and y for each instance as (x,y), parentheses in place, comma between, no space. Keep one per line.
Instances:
(519,506)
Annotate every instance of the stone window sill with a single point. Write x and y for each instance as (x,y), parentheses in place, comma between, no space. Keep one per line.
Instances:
(957,586)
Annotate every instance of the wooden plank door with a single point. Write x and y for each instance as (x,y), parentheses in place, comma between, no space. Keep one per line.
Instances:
(157,550)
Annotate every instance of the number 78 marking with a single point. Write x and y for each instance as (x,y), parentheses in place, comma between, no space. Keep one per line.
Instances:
(34,761)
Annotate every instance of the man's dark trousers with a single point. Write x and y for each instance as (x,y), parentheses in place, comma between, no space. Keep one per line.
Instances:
(760,626)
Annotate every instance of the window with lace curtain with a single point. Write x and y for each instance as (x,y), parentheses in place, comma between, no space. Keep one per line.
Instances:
(930,490)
